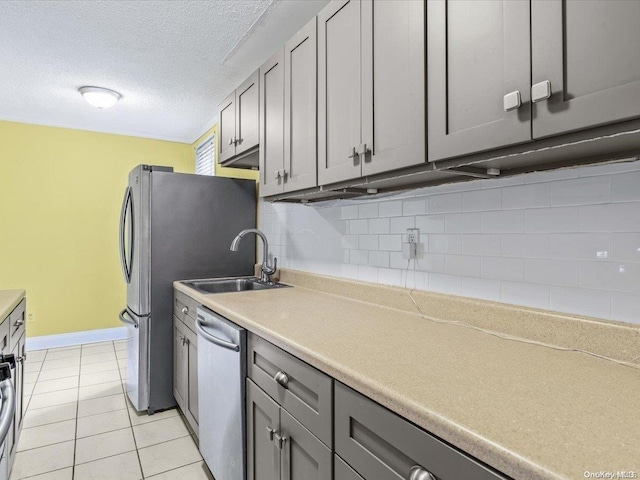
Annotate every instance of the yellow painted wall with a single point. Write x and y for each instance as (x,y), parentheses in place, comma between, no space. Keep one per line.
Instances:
(224,171)
(60,196)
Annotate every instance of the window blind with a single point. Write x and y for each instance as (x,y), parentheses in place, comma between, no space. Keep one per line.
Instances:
(205,157)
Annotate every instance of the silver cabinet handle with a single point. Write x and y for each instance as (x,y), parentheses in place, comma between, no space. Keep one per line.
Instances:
(512,101)
(351,152)
(419,473)
(282,379)
(213,339)
(231,141)
(281,440)
(8,408)
(541,91)
(19,323)
(270,433)
(22,358)
(185,310)
(277,175)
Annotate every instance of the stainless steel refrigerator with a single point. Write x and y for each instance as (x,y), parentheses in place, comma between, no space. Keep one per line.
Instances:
(174,226)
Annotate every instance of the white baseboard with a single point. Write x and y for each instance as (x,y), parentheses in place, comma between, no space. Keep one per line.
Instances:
(76,338)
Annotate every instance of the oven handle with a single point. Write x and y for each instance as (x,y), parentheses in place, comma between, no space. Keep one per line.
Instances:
(213,339)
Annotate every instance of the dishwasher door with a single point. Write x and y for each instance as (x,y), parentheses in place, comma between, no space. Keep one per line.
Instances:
(221,388)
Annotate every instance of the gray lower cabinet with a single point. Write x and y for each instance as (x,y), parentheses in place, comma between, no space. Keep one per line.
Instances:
(185,371)
(477,54)
(304,391)
(288,128)
(380,445)
(371,88)
(278,446)
(342,471)
(586,55)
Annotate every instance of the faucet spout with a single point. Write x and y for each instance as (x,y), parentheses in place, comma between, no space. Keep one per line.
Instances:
(267,270)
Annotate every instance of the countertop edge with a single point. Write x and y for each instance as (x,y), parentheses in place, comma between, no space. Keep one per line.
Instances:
(13,299)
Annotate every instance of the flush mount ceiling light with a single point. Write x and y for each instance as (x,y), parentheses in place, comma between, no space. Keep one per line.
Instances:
(100,97)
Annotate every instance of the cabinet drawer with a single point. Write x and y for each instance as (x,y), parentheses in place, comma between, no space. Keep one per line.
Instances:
(380,445)
(5,332)
(307,393)
(18,320)
(184,307)
(342,471)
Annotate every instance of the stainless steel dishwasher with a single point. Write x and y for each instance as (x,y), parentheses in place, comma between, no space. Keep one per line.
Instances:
(222,369)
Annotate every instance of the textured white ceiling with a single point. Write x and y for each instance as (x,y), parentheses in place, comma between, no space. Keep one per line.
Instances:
(172,60)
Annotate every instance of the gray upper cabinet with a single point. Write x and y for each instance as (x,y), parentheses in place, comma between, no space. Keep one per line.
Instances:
(586,55)
(247,114)
(271,155)
(239,120)
(339,91)
(478,75)
(227,128)
(300,95)
(393,85)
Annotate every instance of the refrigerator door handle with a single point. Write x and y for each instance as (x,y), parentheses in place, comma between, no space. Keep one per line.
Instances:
(127,321)
(126,266)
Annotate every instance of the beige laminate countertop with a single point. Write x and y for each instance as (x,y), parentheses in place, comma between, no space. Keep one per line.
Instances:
(9,299)
(528,410)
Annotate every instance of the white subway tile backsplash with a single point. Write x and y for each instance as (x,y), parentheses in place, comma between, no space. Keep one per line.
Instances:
(581,191)
(462,222)
(430,223)
(581,301)
(391,208)
(526,196)
(379,225)
(550,220)
(552,272)
(626,187)
(612,217)
(503,268)
(481,200)
(414,207)
(451,202)
(583,246)
(481,244)
(507,221)
(464,265)
(565,239)
(625,307)
(368,210)
(625,247)
(525,245)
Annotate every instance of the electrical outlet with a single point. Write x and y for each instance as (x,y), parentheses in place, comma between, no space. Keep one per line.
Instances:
(31,317)
(410,246)
(413,235)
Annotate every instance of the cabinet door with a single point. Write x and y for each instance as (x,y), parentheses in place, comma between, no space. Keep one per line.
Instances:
(180,378)
(478,52)
(248,114)
(17,377)
(303,456)
(227,128)
(589,52)
(191,347)
(271,154)
(339,103)
(300,129)
(263,422)
(393,84)
(342,471)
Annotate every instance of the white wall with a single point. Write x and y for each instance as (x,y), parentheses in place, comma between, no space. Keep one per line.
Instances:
(565,240)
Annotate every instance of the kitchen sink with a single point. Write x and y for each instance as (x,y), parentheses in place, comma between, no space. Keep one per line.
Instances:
(227,285)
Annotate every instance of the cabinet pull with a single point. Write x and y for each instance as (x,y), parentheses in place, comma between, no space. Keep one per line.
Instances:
(22,358)
(541,91)
(185,310)
(281,440)
(351,152)
(419,473)
(512,101)
(270,433)
(231,141)
(277,175)
(19,323)
(282,379)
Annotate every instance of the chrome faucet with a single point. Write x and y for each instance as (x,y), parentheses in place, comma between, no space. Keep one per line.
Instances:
(267,270)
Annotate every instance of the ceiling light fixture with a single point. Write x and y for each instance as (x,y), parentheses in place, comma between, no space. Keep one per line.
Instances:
(100,97)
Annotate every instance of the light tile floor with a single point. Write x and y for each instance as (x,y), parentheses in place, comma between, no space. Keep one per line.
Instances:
(79,424)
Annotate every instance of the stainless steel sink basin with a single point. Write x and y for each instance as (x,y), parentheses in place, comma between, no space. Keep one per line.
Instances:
(227,285)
